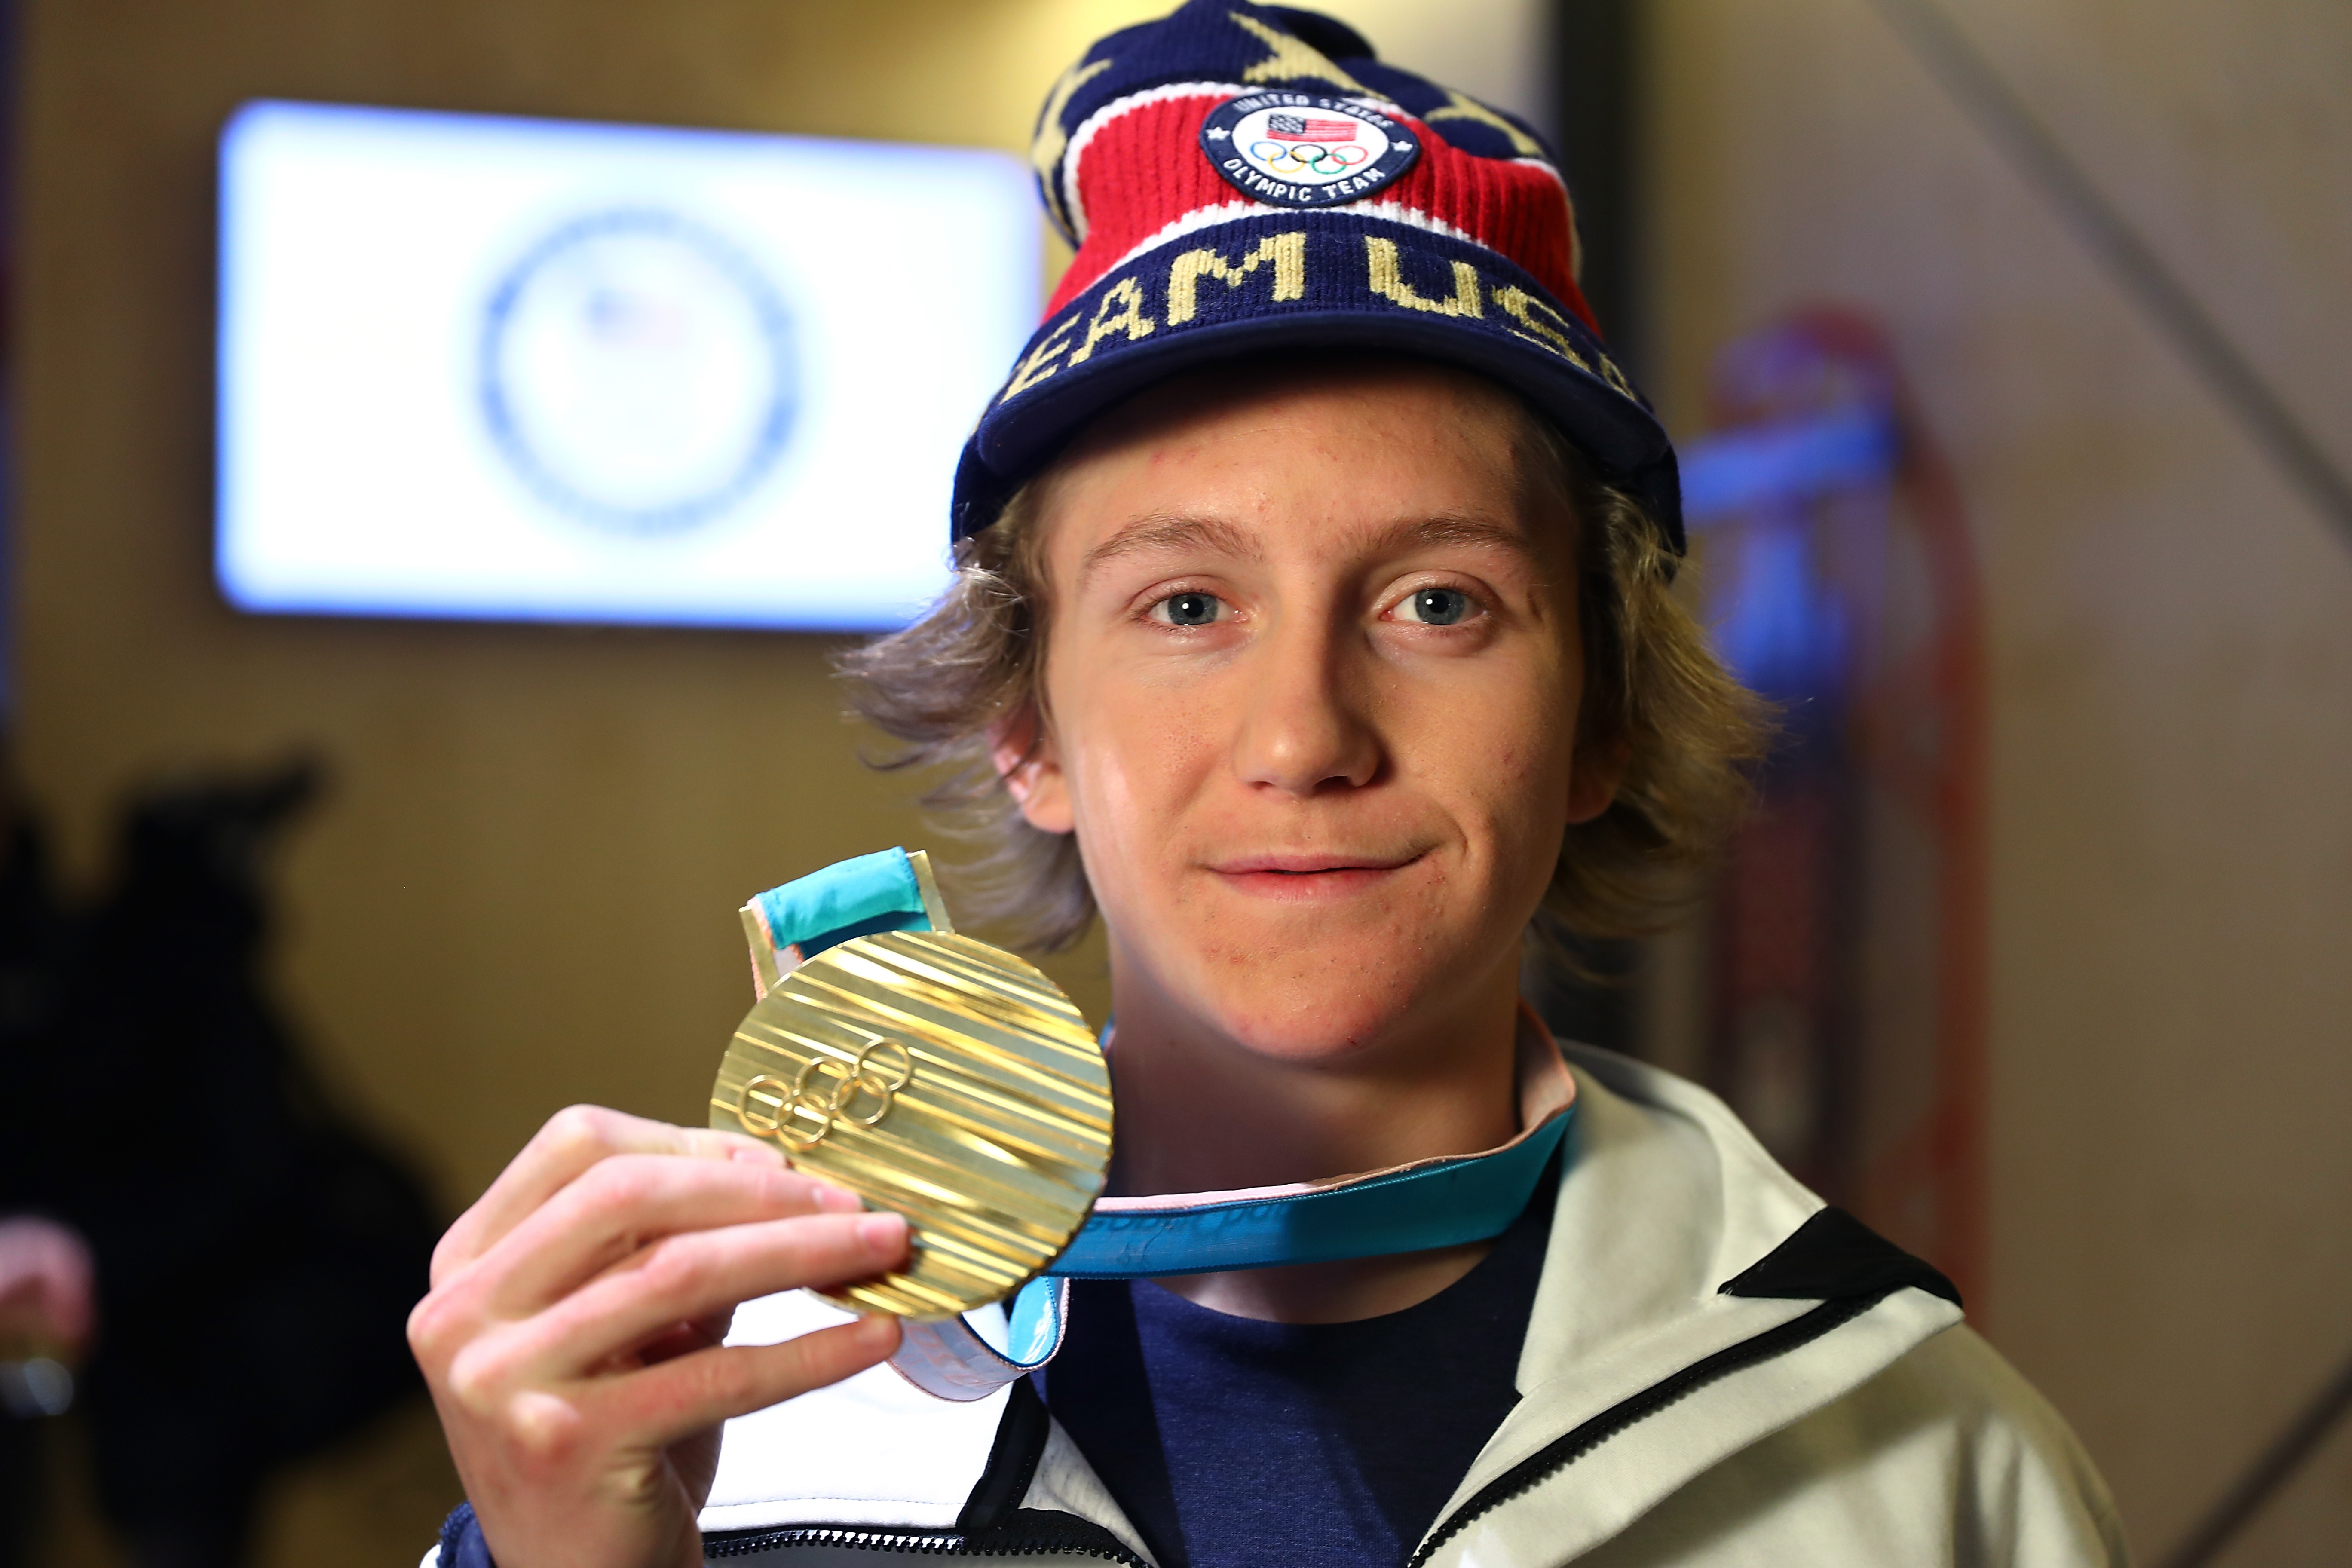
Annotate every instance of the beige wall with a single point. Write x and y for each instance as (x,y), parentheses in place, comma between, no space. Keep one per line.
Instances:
(2171,632)
(521,893)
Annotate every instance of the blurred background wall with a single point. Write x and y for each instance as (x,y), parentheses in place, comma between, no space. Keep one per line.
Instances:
(521,891)
(2172,655)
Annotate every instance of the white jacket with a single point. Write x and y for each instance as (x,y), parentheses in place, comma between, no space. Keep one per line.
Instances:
(1845,1417)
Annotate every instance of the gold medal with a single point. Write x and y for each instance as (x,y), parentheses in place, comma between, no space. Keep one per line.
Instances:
(939,1078)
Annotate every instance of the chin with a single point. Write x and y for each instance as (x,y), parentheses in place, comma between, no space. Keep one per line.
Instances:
(1331,997)
(1315,970)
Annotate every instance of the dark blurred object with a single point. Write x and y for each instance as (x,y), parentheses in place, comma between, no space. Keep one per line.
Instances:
(33,943)
(1583,988)
(1599,55)
(257,1254)
(44,1265)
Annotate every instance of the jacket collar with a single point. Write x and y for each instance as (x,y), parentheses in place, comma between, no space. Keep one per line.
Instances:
(1666,1200)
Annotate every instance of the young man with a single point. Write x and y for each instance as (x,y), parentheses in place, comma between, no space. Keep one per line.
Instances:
(1313,630)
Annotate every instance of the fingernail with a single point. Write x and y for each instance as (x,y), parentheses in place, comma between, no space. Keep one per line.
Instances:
(837,1200)
(875,1328)
(882,1232)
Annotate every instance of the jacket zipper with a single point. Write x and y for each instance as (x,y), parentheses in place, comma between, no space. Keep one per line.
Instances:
(1573,1445)
(1090,1540)
(1081,1543)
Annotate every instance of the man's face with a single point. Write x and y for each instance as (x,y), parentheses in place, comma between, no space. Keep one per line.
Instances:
(1311,684)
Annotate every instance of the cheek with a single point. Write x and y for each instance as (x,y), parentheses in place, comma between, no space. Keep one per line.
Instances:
(1133,758)
(1507,759)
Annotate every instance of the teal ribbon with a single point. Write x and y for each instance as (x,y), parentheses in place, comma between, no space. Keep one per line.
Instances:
(855,897)
(1443,1203)
(1438,1202)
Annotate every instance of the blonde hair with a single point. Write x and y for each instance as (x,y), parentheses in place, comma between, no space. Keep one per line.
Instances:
(946,686)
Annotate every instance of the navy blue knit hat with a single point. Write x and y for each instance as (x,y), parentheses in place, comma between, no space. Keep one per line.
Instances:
(1239,177)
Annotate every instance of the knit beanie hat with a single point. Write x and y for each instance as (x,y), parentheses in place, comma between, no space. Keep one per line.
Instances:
(1240,177)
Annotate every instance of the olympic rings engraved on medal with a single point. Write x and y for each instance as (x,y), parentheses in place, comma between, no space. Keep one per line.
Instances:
(861,1074)
(1290,157)
(743,1098)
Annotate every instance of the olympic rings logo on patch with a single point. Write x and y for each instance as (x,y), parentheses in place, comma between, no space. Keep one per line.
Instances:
(859,1079)
(1307,157)
(1307,150)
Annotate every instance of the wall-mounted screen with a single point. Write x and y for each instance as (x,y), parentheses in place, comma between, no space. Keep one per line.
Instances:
(516,369)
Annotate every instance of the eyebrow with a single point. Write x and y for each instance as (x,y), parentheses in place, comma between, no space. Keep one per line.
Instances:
(1475,532)
(1146,535)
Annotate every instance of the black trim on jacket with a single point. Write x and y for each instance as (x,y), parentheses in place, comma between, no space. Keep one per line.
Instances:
(1833,1258)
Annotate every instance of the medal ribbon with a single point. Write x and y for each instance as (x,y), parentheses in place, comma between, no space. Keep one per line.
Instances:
(1415,1207)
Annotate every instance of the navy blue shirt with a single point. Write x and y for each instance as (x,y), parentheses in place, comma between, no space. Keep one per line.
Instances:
(1232,1443)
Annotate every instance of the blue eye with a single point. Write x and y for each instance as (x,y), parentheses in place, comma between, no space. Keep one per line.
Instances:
(1437,607)
(1189,609)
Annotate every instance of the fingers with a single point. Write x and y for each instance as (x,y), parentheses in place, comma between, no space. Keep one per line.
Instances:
(688,1277)
(572,1140)
(625,1201)
(694,1392)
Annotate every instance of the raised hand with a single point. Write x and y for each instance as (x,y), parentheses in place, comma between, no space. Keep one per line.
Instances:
(572,1335)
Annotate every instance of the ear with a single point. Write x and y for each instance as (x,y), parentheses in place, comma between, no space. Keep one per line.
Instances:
(1597,771)
(1021,746)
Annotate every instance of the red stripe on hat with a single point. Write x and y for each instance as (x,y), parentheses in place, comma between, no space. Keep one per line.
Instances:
(1516,209)
(1144,169)
(1136,174)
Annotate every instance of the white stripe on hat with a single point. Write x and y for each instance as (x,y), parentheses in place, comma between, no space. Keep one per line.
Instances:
(1075,209)
(1072,206)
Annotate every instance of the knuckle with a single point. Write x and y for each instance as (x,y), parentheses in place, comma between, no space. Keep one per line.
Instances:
(424,1331)
(677,1268)
(547,1433)
(734,1380)
(579,1129)
(477,1378)
(432,1323)
(773,1188)
(446,1258)
(619,1182)
(703,1380)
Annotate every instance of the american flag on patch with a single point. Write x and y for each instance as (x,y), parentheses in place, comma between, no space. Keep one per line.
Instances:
(1298,128)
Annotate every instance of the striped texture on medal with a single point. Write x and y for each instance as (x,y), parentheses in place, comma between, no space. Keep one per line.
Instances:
(944,1079)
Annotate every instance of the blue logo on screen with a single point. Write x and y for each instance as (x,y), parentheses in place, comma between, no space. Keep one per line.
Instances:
(638,371)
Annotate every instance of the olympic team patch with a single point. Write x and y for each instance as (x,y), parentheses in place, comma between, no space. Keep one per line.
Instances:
(1298,149)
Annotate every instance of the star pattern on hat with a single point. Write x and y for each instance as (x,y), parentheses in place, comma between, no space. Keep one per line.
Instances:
(1456,241)
(1464,106)
(1053,137)
(1293,58)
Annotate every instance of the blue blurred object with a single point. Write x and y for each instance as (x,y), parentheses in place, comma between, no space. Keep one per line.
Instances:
(1784,633)
(1778,464)
(1782,628)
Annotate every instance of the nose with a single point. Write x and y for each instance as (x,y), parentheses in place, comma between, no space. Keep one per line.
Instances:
(1305,729)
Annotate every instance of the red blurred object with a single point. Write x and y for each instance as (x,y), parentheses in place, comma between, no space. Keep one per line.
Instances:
(1848,931)
(48,1300)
